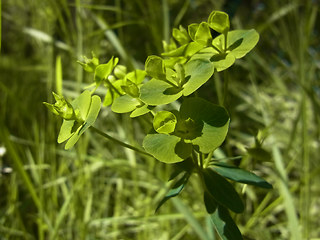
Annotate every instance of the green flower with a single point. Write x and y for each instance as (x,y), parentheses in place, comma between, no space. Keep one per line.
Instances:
(198,125)
(77,116)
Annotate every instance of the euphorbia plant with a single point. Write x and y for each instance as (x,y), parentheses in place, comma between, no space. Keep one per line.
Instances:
(188,136)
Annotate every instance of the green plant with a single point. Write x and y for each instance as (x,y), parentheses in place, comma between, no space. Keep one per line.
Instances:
(185,136)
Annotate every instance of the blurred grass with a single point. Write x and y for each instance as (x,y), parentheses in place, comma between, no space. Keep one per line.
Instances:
(101,191)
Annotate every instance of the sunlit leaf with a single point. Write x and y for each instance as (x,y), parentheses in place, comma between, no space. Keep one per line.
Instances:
(212,123)
(157,92)
(155,67)
(141,110)
(164,122)
(102,71)
(203,34)
(197,72)
(181,35)
(124,104)
(219,21)
(167,148)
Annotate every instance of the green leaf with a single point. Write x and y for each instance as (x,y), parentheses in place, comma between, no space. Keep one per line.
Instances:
(112,94)
(131,89)
(209,202)
(93,113)
(239,42)
(164,122)
(203,34)
(175,190)
(104,70)
(239,175)
(157,92)
(167,148)
(220,61)
(137,76)
(192,29)
(224,224)
(82,103)
(120,71)
(73,139)
(66,130)
(155,67)
(212,122)
(181,35)
(186,50)
(124,104)
(89,65)
(219,21)
(222,191)
(141,110)
(197,73)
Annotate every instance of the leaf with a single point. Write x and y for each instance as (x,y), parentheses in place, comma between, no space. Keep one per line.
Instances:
(239,42)
(203,34)
(197,73)
(124,104)
(131,89)
(222,191)
(192,29)
(209,202)
(164,122)
(175,190)
(186,50)
(157,92)
(137,76)
(167,148)
(239,175)
(73,139)
(82,103)
(155,67)
(66,130)
(213,121)
(141,110)
(224,224)
(219,21)
(112,94)
(220,61)
(181,35)
(104,70)
(93,113)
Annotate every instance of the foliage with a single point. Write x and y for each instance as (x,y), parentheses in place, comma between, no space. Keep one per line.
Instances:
(191,133)
(98,190)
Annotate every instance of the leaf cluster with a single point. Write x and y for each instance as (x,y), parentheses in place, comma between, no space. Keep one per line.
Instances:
(185,137)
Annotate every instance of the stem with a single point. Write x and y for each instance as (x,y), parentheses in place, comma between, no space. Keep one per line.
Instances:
(120,142)
(225,88)
(225,41)
(207,160)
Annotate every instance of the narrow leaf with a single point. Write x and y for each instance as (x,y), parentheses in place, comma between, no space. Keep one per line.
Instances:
(175,190)
(239,175)
(224,224)
(222,191)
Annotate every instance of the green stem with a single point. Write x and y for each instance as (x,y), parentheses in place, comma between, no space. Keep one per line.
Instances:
(225,41)
(225,88)
(120,142)
(207,160)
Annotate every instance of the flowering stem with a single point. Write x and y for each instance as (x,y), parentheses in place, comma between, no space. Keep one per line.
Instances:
(120,142)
